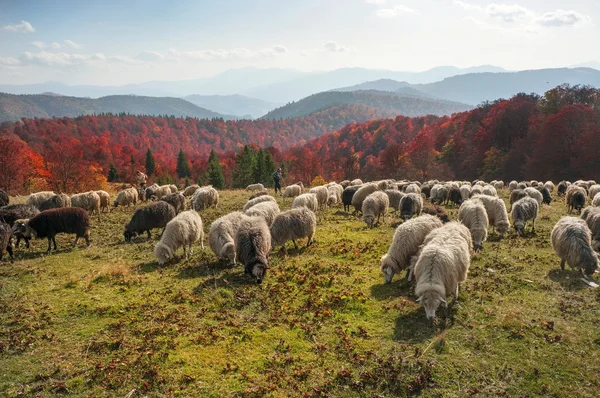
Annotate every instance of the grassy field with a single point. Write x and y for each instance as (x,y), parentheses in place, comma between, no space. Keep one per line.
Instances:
(109,321)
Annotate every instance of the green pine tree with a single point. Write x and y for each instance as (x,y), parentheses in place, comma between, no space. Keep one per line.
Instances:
(183,167)
(259,167)
(243,173)
(215,172)
(269,169)
(150,165)
(113,175)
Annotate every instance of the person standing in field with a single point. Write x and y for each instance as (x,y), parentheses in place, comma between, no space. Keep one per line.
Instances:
(141,179)
(277,180)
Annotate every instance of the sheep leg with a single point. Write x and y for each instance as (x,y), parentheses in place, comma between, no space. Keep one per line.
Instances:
(562,264)
(533,226)
(310,241)
(184,252)
(49,244)
(9,250)
(456,294)
(149,234)
(295,244)
(76,240)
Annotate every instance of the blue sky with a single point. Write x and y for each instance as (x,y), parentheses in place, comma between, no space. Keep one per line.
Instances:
(120,42)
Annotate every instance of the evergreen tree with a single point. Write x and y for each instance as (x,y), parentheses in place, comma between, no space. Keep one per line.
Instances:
(113,175)
(269,169)
(215,173)
(183,167)
(150,165)
(243,174)
(259,168)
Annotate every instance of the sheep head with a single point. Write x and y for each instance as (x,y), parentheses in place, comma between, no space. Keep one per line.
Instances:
(163,253)
(258,270)
(430,301)
(520,227)
(21,227)
(388,268)
(128,235)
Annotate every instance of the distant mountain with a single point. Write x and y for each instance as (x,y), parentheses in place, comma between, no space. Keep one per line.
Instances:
(233,104)
(475,88)
(384,104)
(591,64)
(388,85)
(15,107)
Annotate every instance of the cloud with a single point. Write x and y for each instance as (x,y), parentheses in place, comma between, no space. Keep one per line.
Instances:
(39,44)
(72,44)
(22,27)
(9,61)
(332,46)
(560,18)
(55,45)
(233,54)
(149,56)
(394,12)
(508,13)
(375,1)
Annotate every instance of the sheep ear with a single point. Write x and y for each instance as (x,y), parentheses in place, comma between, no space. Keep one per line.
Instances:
(419,299)
(444,303)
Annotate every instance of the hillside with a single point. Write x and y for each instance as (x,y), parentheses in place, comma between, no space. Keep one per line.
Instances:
(15,107)
(233,104)
(384,104)
(389,85)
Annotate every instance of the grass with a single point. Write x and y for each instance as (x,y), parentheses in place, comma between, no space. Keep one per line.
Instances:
(108,320)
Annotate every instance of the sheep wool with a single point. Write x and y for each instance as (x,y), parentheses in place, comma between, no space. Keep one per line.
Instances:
(266,210)
(293,224)
(204,198)
(361,194)
(523,210)
(308,200)
(375,206)
(253,244)
(221,236)
(183,230)
(571,240)
(260,199)
(472,215)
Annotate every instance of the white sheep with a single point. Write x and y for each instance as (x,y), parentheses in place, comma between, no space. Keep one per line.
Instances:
(412,188)
(204,198)
(591,215)
(260,199)
(356,181)
(36,199)
(473,215)
(596,200)
(496,212)
(266,210)
(183,230)
(523,210)
(308,200)
(126,197)
(293,224)
(535,194)
(476,189)
(571,240)
(593,191)
(321,194)
(104,200)
(438,194)
(375,206)
(549,185)
(498,185)
(221,236)
(291,191)
(189,191)
(89,201)
(255,187)
(161,191)
(173,188)
(489,190)
(512,185)
(362,193)
(465,192)
(408,237)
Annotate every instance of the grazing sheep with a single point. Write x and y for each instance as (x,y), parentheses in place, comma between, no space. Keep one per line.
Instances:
(183,230)
(455,196)
(347,196)
(11,213)
(498,185)
(437,211)
(257,194)
(596,200)
(141,194)
(104,200)
(291,191)
(255,187)
(253,244)
(576,198)
(89,201)
(410,205)
(321,193)
(49,223)
(426,190)
(345,184)
(56,202)
(465,191)
(591,215)
(562,188)
(260,199)
(523,210)
(4,199)
(476,190)
(173,188)
(361,194)
(522,185)
(177,200)
(189,191)
(126,197)
(221,237)
(334,191)
(442,264)
(496,212)
(375,206)
(394,197)
(473,215)
(549,185)
(356,181)
(594,190)
(5,240)
(405,244)
(155,215)
(516,194)
(204,198)
(36,199)
(535,194)
(293,224)
(439,194)
(150,192)
(266,210)
(571,240)
(489,190)
(512,185)
(161,191)
(412,188)
(546,197)
(308,200)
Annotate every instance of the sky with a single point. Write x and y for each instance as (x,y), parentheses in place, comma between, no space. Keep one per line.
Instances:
(127,41)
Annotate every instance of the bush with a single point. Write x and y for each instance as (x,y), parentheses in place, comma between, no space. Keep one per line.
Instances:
(318,180)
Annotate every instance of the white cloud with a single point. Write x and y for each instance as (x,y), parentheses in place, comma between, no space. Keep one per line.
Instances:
(561,18)
(332,46)
(22,27)
(150,56)
(72,44)
(375,1)
(233,54)
(39,44)
(508,13)
(394,12)
(9,61)
(55,45)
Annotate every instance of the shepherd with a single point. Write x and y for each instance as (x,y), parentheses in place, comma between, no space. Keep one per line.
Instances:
(277,180)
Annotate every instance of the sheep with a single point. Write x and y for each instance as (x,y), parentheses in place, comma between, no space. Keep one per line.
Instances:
(512,185)
(571,240)
(257,194)
(161,191)
(332,198)
(496,212)
(266,210)
(322,194)
(465,191)
(546,197)
(189,191)
(535,194)
(476,190)
(204,198)
(183,230)
(437,211)
(308,200)
(591,215)
(426,190)
(455,196)
(293,224)
(56,202)
(89,201)
(517,194)
(253,244)
(356,181)
(150,193)
(522,185)
(334,193)
(594,189)
(413,188)
(4,199)
(394,197)
(549,185)
(410,205)
(405,244)
(126,197)
(173,188)
(141,194)
(489,190)
(347,196)
(533,183)
(155,215)
(375,205)
(49,223)
(221,236)
(362,193)
(36,199)
(442,264)
(562,188)
(177,200)
(291,191)
(596,200)
(104,200)
(5,240)
(439,194)
(523,210)
(11,213)
(255,187)
(498,185)
(260,199)
(345,184)
(576,198)
(473,215)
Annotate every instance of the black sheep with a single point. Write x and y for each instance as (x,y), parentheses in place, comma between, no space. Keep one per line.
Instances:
(11,213)
(5,238)
(545,194)
(177,200)
(454,196)
(562,188)
(426,190)
(577,201)
(516,194)
(55,202)
(155,215)
(149,193)
(347,196)
(438,212)
(410,205)
(4,200)
(49,223)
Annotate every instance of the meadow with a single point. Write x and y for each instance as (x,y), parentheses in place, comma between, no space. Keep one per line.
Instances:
(109,321)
